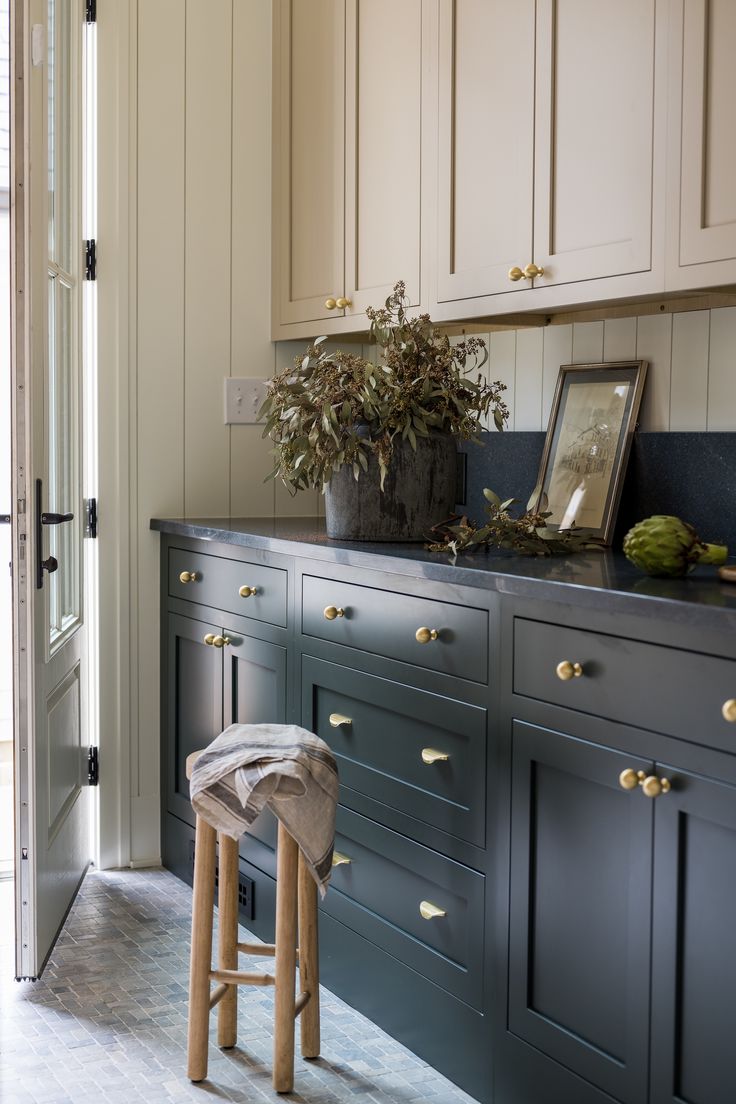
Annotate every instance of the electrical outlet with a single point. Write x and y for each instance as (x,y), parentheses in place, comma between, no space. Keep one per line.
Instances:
(243,398)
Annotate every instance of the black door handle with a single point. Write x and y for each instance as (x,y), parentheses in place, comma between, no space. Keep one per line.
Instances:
(55,519)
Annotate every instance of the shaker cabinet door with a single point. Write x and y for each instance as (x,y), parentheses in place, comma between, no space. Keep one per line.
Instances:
(694,951)
(597,92)
(309,159)
(580,911)
(486,146)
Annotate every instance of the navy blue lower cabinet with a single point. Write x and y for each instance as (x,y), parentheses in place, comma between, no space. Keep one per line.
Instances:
(580,913)
(694,941)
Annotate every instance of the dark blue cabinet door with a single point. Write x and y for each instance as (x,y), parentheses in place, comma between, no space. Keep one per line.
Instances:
(193,704)
(580,910)
(694,948)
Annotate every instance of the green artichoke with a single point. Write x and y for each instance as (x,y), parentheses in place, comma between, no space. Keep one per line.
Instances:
(664,545)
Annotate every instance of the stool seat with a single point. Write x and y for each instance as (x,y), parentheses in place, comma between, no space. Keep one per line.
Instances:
(296,914)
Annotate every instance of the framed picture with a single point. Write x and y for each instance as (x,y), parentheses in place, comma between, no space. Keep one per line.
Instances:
(593,418)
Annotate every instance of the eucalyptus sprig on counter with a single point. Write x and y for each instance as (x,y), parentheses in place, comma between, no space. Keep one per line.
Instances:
(528,534)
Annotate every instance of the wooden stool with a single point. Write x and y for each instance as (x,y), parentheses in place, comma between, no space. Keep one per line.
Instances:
(296,905)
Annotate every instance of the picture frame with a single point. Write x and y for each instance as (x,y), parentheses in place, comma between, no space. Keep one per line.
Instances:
(591,426)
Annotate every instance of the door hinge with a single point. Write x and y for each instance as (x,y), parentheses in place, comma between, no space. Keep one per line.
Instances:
(90,259)
(90,518)
(90,11)
(93,767)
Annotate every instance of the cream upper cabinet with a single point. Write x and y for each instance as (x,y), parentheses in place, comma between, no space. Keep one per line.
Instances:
(350,157)
(702,163)
(551,135)
(486,145)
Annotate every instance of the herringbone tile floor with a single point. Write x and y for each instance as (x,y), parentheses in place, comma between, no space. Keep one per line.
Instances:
(107,1022)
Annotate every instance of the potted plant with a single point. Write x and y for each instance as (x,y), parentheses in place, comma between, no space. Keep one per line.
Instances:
(380,440)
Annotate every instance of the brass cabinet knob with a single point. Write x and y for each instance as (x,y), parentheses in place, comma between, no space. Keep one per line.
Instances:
(337,719)
(431,755)
(653,786)
(330,303)
(331,612)
(338,859)
(515,274)
(221,641)
(247,591)
(428,911)
(424,635)
(189,577)
(567,670)
(531,272)
(629,779)
(209,639)
(342,303)
(728,709)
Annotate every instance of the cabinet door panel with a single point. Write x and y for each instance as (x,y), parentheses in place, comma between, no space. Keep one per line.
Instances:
(255,693)
(383,131)
(486,155)
(594,138)
(194,704)
(694,956)
(309,177)
(580,909)
(708,160)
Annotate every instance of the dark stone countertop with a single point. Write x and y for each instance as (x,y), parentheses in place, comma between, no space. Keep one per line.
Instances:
(598,580)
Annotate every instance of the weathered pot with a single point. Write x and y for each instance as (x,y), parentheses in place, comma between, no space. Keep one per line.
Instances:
(419,491)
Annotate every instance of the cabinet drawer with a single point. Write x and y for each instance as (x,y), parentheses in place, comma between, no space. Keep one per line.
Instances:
(388,738)
(218,582)
(651,686)
(378,893)
(386,623)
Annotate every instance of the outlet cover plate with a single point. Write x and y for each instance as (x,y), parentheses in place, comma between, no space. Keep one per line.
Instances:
(243,398)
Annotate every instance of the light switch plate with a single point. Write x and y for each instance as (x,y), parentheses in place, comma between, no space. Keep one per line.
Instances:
(243,398)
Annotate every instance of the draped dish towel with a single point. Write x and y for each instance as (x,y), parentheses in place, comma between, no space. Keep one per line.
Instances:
(283,766)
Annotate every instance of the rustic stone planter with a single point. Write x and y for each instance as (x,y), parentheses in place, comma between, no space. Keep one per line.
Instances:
(419,492)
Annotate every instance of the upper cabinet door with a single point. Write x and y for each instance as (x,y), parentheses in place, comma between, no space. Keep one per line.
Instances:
(486,140)
(597,92)
(704,35)
(385,47)
(309,158)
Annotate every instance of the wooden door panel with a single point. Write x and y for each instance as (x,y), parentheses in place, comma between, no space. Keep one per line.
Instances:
(486,155)
(694,950)
(594,138)
(579,923)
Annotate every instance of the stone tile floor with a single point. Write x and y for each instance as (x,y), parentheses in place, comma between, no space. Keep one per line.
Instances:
(107,1021)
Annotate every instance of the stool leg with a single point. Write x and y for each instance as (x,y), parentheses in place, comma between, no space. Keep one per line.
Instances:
(308,961)
(227,939)
(286,920)
(201,959)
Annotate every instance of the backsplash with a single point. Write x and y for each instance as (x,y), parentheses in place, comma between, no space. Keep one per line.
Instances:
(691,475)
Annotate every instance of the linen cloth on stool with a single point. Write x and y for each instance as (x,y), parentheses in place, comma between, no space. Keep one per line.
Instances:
(283,766)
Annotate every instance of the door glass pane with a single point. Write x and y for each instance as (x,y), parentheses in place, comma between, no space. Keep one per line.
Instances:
(59,119)
(63,476)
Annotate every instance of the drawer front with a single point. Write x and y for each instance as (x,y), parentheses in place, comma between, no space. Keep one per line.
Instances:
(647,685)
(420,753)
(379,892)
(386,624)
(218,582)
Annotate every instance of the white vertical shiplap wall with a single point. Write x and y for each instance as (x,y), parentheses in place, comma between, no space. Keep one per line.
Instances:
(691,381)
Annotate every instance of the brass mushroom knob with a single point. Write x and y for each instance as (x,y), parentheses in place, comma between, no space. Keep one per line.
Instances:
(342,303)
(331,612)
(728,709)
(330,303)
(247,591)
(653,786)
(515,274)
(424,635)
(209,639)
(189,577)
(567,670)
(629,779)
(531,272)
(221,641)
